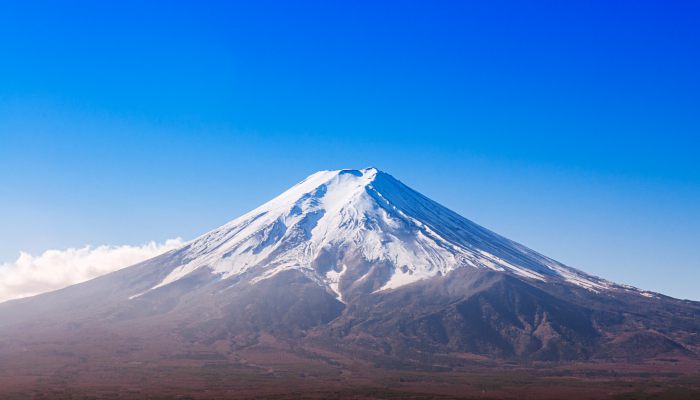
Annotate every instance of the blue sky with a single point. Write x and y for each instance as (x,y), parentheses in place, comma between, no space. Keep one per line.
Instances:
(571,127)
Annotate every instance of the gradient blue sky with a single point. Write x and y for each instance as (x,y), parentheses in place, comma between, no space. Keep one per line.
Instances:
(572,127)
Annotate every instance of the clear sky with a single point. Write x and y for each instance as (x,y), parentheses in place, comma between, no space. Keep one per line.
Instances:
(571,127)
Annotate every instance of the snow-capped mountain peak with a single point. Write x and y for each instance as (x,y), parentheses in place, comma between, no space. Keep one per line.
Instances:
(360,231)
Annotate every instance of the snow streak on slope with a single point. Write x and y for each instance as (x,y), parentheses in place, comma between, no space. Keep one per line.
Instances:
(322,225)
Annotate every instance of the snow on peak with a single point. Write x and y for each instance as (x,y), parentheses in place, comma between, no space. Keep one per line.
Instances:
(360,229)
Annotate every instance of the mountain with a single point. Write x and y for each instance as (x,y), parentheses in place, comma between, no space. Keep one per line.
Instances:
(345,267)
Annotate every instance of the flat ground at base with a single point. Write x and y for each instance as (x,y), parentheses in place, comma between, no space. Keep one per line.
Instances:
(271,371)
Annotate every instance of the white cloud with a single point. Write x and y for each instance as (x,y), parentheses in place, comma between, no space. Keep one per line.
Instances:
(55,269)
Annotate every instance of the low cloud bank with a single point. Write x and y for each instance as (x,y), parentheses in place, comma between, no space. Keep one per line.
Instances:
(55,269)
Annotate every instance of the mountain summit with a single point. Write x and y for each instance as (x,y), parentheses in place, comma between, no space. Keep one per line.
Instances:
(361,231)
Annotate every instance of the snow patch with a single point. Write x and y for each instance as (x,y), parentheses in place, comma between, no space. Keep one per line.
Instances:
(333,281)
